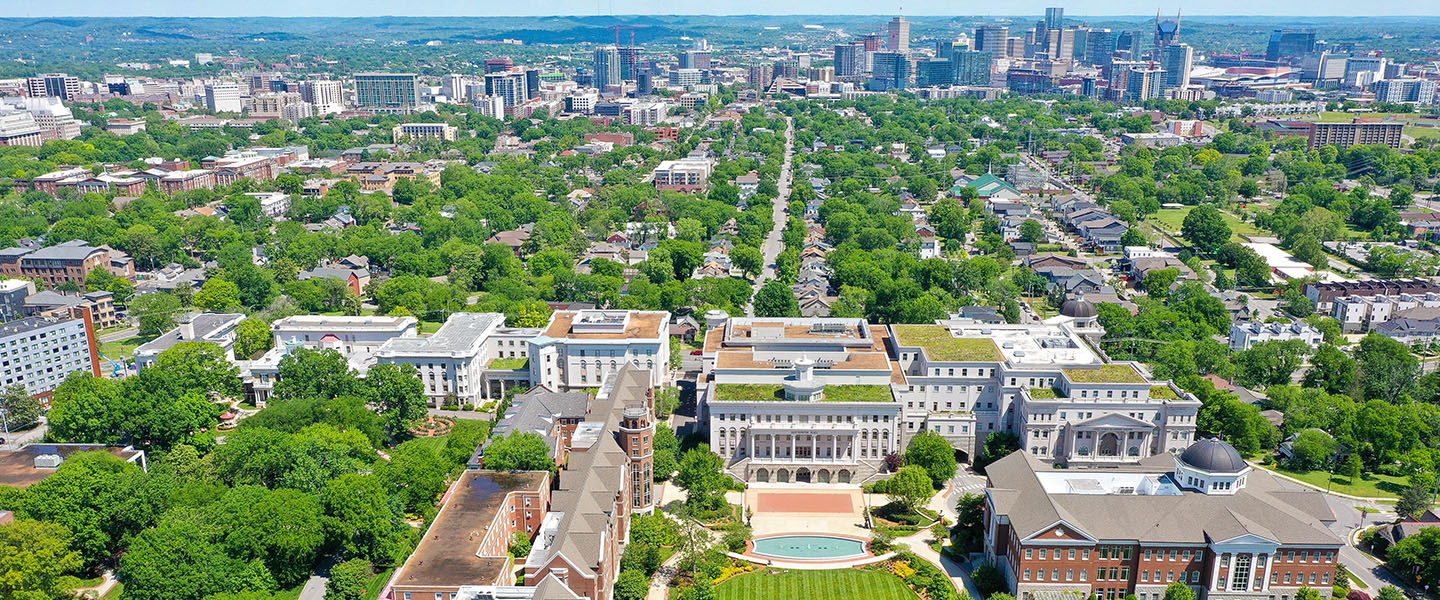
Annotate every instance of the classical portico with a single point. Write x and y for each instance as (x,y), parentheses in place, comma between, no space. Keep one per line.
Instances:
(1111,437)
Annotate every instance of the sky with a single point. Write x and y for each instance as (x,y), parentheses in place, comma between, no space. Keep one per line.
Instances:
(917,8)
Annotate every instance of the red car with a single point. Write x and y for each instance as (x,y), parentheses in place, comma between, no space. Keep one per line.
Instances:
(696,353)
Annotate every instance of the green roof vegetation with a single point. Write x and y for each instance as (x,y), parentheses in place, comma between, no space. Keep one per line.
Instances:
(758,392)
(510,363)
(1043,393)
(939,345)
(1106,374)
(1163,392)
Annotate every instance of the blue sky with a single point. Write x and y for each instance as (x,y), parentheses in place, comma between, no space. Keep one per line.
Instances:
(291,8)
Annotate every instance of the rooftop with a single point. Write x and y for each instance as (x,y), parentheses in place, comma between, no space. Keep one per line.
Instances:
(1117,373)
(940,345)
(446,556)
(582,325)
(17,467)
(462,334)
(754,392)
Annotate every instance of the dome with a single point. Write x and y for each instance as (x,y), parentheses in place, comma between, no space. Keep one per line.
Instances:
(1213,456)
(1079,308)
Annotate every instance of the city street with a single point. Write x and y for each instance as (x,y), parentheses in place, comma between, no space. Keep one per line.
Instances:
(773,244)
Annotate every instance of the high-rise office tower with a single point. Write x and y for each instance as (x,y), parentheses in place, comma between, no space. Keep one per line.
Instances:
(58,85)
(944,49)
(532,83)
(993,39)
(495,65)
(849,60)
(1100,47)
(891,71)
(1177,60)
(972,67)
(1055,18)
(509,86)
(762,75)
(388,91)
(1144,83)
(1289,43)
(695,59)
(607,67)
(1167,31)
(629,58)
(454,87)
(1129,42)
(325,94)
(1062,44)
(223,97)
(899,35)
(934,72)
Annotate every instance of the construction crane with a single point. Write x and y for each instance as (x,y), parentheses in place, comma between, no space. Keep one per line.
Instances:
(632,29)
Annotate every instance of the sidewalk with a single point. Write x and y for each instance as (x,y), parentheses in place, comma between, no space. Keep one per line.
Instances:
(958,573)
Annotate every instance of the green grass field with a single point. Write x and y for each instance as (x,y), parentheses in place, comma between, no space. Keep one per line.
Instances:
(839,584)
(1171,220)
(1371,485)
(122,349)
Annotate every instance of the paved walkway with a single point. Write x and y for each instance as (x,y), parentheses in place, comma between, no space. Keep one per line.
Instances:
(959,574)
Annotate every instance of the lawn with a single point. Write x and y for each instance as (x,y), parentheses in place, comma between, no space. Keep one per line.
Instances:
(124,348)
(428,327)
(1172,219)
(939,345)
(377,583)
(839,584)
(1106,374)
(1371,485)
(759,392)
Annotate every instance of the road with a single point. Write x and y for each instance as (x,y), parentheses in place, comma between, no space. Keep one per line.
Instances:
(1348,523)
(773,244)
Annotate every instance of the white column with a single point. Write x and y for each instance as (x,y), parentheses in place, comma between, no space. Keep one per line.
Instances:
(1215,574)
(792,444)
(834,448)
(1265,582)
(1250,584)
(750,440)
(772,446)
(813,453)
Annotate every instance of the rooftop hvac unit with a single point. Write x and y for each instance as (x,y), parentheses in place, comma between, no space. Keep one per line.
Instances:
(48,461)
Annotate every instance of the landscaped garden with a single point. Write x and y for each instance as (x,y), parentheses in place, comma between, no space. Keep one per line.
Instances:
(940,345)
(839,584)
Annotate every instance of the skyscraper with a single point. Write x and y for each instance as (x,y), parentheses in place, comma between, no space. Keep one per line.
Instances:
(1144,83)
(1289,43)
(972,67)
(891,71)
(899,35)
(849,60)
(762,75)
(387,91)
(509,86)
(1177,60)
(629,58)
(1100,48)
(59,85)
(325,94)
(934,72)
(223,96)
(495,65)
(695,59)
(1055,18)
(1167,31)
(607,67)
(993,39)
(871,41)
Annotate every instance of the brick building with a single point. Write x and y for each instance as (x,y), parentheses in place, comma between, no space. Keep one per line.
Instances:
(1204,518)
(66,262)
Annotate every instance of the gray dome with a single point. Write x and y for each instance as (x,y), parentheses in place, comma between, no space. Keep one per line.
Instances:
(1079,308)
(1214,456)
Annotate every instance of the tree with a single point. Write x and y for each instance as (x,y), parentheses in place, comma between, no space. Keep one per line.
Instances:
(1331,370)
(988,580)
(910,487)
(518,452)
(775,299)
(1418,553)
(307,373)
(998,445)
(36,561)
(748,259)
(348,580)
(1134,237)
(632,585)
(933,453)
(1270,363)
(252,337)
(1387,368)
(363,519)
(218,295)
(1352,468)
(199,367)
(1390,592)
(1157,283)
(1414,500)
(701,477)
(155,312)
(1205,228)
(178,560)
(1032,231)
(399,394)
(1179,591)
(1311,450)
(21,410)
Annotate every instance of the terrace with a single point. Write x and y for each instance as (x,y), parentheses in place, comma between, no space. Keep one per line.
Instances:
(754,392)
(940,345)
(1106,374)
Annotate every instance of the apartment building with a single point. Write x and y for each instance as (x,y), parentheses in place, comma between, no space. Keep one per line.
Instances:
(66,262)
(579,525)
(1345,135)
(1244,336)
(1362,313)
(40,352)
(684,175)
(774,392)
(1202,517)
(100,305)
(1325,293)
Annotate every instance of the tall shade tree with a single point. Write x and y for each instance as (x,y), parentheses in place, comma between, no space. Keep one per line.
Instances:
(933,453)
(36,561)
(200,367)
(399,394)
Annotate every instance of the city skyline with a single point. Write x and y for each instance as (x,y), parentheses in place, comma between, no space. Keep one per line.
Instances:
(560,8)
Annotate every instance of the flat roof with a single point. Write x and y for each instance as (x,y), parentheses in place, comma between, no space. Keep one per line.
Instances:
(1117,373)
(640,325)
(940,344)
(17,467)
(446,556)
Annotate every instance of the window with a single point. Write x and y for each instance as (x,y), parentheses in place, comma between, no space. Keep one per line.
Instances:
(1044,554)
(1071,554)
(1041,574)
(1026,575)
(1145,576)
(1147,554)
(1084,574)
(1029,553)
(1055,575)
(1085,554)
